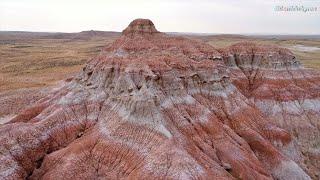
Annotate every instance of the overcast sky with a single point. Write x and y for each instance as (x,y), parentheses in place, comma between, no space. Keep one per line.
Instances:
(205,16)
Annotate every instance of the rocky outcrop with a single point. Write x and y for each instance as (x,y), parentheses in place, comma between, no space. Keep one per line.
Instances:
(248,54)
(152,106)
(140,26)
(287,94)
(13,102)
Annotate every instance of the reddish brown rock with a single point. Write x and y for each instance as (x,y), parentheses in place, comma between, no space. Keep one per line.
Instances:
(152,106)
(140,26)
(285,92)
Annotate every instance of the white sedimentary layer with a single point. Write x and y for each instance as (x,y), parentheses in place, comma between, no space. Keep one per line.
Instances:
(7,118)
(289,170)
(272,107)
(170,101)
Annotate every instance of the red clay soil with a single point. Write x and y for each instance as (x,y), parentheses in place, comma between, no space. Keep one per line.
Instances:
(155,106)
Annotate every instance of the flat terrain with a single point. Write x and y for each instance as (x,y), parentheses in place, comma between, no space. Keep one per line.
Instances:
(34,60)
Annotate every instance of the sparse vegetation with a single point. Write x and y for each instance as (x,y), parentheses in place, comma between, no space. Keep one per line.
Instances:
(39,60)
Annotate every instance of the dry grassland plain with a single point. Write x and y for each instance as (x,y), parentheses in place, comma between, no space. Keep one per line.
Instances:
(36,60)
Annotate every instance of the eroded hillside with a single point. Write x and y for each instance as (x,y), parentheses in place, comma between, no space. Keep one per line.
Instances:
(157,106)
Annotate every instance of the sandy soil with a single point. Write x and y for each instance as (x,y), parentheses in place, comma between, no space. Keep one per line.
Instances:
(36,60)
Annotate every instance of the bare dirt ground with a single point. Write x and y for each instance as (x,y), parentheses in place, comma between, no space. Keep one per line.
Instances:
(32,61)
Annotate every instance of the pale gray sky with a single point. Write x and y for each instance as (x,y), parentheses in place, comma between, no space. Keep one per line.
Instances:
(206,16)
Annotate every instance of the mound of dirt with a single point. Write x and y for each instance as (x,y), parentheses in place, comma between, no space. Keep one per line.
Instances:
(155,106)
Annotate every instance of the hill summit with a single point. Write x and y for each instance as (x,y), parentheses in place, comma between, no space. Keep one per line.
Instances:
(140,26)
(154,106)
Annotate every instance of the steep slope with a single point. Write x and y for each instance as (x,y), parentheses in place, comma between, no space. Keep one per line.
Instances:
(285,92)
(149,106)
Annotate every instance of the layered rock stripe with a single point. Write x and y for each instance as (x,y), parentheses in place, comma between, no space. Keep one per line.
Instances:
(157,106)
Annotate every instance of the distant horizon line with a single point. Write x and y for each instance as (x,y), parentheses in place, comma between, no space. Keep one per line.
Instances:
(171,32)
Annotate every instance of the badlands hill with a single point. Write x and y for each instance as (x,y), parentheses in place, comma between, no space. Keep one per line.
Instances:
(157,106)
